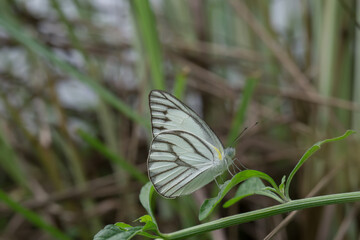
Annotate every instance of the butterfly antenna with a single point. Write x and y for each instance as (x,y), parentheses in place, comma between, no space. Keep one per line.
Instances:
(241,134)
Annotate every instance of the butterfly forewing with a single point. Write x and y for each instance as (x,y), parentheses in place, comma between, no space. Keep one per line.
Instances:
(177,162)
(169,113)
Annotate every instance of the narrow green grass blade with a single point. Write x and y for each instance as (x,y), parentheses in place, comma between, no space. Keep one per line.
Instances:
(14,30)
(45,156)
(32,217)
(180,84)
(69,27)
(78,174)
(113,157)
(146,25)
(9,162)
(240,113)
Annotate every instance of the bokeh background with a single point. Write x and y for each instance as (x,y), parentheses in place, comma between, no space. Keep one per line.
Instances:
(74,117)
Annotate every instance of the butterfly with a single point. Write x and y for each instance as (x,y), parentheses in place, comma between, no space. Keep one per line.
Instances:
(185,154)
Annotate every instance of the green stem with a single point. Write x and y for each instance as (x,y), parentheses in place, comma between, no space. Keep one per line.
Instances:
(265,212)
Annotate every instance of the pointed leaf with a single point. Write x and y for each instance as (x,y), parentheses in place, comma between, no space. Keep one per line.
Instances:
(123,225)
(282,184)
(209,204)
(146,194)
(150,226)
(250,187)
(149,223)
(112,232)
(148,235)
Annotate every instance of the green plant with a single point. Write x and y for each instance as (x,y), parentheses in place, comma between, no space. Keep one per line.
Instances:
(251,184)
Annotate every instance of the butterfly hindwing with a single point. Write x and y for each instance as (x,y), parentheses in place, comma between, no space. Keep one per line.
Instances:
(178,161)
(169,113)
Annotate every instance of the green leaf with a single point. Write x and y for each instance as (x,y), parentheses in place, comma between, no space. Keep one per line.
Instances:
(310,152)
(209,204)
(150,226)
(282,184)
(250,187)
(144,219)
(125,231)
(148,235)
(123,225)
(149,223)
(112,232)
(146,194)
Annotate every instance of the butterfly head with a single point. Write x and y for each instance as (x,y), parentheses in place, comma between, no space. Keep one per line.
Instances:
(229,155)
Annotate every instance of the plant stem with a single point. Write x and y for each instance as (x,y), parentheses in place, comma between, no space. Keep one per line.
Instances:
(265,212)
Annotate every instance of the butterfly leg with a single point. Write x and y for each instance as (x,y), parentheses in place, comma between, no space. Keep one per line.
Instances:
(236,166)
(230,171)
(221,178)
(240,163)
(217,183)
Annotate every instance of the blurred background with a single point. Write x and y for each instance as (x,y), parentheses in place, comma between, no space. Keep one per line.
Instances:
(74,117)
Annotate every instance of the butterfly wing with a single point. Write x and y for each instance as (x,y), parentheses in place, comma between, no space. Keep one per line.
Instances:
(169,113)
(180,162)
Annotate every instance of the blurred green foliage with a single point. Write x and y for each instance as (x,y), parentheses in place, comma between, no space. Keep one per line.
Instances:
(74,118)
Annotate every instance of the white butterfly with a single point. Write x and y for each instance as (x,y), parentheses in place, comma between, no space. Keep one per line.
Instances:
(185,154)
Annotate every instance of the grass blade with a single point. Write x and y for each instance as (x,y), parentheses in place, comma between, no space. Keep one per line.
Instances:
(32,217)
(180,83)
(146,26)
(113,157)
(9,162)
(240,113)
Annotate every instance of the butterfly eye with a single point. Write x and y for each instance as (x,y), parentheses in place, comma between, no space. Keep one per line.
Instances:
(230,152)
